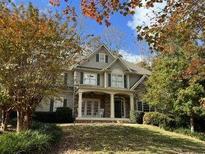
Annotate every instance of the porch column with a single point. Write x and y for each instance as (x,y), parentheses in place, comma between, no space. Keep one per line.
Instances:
(112,106)
(80,104)
(75,78)
(105,80)
(131,102)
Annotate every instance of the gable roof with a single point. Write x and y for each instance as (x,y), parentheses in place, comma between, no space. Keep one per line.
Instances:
(130,66)
(117,59)
(137,69)
(97,50)
(138,82)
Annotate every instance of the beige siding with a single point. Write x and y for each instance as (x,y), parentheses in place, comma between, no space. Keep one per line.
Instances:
(70,78)
(92,60)
(44,106)
(117,68)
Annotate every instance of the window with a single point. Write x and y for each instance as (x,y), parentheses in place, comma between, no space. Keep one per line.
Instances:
(117,81)
(139,106)
(144,107)
(90,78)
(102,57)
(58,102)
(90,107)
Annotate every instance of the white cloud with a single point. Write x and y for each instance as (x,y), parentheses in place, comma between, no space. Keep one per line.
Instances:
(145,16)
(131,57)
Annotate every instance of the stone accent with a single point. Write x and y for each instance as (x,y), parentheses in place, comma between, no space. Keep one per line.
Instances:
(107,106)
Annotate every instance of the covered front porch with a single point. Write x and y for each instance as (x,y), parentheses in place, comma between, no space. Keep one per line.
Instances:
(103,106)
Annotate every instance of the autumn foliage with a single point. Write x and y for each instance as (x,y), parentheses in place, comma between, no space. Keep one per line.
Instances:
(35,49)
(101,10)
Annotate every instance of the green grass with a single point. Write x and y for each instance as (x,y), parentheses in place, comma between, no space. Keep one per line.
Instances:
(126,138)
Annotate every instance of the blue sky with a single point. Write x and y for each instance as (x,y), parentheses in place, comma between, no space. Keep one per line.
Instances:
(132,49)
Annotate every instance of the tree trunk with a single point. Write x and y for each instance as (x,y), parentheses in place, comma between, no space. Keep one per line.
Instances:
(4,120)
(192,123)
(20,119)
(27,120)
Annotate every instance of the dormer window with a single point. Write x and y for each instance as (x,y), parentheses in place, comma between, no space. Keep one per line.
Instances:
(102,58)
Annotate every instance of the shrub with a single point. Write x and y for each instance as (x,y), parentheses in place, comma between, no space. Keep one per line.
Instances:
(133,116)
(50,129)
(64,114)
(139,117)
(24,142)
(158,119)
(48,117)
(37,140)
(136,117)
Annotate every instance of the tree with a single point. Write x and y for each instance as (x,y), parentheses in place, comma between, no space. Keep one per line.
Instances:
(35,49)
(188,101)
(179,35)
(170,92)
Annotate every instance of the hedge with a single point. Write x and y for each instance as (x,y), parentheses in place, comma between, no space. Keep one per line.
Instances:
(62,115)
(158,119)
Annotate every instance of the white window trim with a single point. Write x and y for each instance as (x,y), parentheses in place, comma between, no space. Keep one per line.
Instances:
(112,74)
(92,106)
(102,54)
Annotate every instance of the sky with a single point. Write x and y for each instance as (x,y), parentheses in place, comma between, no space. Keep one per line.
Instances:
(131,49)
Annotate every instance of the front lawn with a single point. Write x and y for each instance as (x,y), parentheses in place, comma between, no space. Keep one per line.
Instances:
(125,138)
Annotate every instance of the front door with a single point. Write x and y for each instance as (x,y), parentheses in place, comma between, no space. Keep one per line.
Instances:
(118,109)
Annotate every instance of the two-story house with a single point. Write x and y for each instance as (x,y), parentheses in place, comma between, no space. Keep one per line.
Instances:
(102,86)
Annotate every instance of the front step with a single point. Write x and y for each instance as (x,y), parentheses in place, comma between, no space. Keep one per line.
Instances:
(102,120)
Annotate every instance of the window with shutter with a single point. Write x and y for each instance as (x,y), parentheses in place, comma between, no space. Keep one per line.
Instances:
(117,81)
(125,81)
(81,77)
(97,57)
(109,80)
(90,78)
(102,57)
(98,79)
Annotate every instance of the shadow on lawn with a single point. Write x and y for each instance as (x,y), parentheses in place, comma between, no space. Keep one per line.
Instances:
(125,138)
